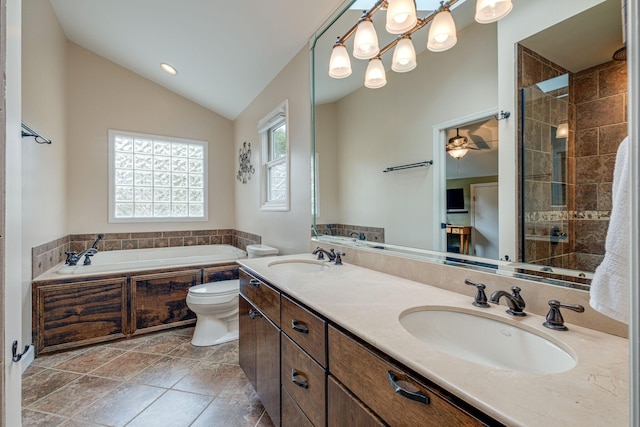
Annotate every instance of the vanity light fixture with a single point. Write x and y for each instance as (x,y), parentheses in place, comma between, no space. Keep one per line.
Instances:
(168,68)
(339,64)
(442,33)
(375,76)
(401,16)
(365,43)
(402,20)
(488,11)
(404,56)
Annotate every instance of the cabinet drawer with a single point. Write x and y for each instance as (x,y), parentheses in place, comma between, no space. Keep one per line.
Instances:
(345,410)
(261,295)
(305,328)
(372,384)
(304,380)
(292,415)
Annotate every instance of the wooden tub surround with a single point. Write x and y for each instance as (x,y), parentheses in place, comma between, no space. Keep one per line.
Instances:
(82,310)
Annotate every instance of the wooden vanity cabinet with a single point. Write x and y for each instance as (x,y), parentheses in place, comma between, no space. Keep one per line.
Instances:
(370,378)
(259,345)
(308,372)
(345,410)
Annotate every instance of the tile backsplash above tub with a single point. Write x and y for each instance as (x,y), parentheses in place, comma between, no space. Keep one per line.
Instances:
(47,255)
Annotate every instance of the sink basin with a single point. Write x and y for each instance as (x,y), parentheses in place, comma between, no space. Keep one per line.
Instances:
(299,265)
(486,341)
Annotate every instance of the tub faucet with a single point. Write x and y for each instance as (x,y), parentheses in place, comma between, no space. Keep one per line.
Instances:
(514,300)
(321,253)
(95,244)
(74,257)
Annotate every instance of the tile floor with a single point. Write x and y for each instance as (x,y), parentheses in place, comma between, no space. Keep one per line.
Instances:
(155,380)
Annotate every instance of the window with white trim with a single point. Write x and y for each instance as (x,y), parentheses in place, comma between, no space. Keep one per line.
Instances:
(275,159)
(156,178)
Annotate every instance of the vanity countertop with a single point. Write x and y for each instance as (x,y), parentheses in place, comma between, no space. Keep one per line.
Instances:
(369,303)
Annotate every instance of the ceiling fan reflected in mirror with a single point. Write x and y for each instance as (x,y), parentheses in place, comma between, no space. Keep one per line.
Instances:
(457,146)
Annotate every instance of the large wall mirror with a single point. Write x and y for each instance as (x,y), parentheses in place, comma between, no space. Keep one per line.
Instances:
(532,191)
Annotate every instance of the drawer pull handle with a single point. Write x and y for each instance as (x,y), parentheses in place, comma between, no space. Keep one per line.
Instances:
(295,324)
(254,314)
(296,381)
(418,396)
(254,282)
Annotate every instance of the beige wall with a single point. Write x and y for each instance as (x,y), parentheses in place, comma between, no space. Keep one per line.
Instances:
(44,209)
(402,116)
(102,96)
(327,150)
(288,231)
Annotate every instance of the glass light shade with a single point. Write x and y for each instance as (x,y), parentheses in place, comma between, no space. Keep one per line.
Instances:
(442,33)
(401,16)
(563,130)
(488,11)
(365,44)
(458,153)
(339,64)
(404,56)
(375,77)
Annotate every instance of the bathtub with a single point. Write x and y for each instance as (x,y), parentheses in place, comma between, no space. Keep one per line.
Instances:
(145,259)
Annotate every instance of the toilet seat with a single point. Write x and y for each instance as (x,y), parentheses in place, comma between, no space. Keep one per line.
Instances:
(215,289)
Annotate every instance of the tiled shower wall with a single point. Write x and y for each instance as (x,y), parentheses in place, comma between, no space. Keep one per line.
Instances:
(601,124)
(597,124)
(543,111)
(49,254)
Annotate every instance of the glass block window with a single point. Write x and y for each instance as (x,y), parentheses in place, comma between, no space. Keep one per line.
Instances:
(275,159)
(156,179)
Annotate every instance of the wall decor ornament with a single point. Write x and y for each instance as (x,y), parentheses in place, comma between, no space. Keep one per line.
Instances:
(245,169)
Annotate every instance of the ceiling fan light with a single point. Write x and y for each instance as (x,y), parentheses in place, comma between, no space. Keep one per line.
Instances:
(458,153)
(442,33)
(488,11)
(375,77)
(401,16)
(404,56)
(339,64)
(365,45)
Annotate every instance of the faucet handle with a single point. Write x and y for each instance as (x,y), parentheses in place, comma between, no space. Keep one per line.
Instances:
(555,320)
(338,257)
(320,253)
(480,299)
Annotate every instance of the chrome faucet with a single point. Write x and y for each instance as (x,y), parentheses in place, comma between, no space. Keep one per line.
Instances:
(321,253)
(74,257)
(514,300)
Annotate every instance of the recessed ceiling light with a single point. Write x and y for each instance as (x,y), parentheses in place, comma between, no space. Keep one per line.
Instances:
(168,68)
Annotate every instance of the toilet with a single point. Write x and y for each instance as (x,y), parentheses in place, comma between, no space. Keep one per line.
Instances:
(216,305)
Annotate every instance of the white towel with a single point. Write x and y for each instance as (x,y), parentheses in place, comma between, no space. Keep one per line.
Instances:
(610,285)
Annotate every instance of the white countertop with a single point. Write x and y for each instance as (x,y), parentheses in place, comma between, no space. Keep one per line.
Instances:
(369,303)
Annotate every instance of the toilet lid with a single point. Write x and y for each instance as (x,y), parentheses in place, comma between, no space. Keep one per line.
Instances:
(215,288)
